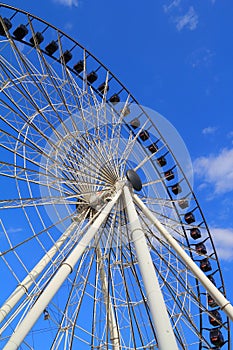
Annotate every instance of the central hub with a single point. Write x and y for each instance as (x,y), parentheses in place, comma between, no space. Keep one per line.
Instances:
(96,200)
(134,179)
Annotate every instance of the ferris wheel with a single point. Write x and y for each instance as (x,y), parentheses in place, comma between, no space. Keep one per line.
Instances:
(103,243)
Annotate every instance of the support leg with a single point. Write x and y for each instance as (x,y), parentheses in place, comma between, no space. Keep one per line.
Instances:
(65,269)
(108,303)
(164,332)
(197,272)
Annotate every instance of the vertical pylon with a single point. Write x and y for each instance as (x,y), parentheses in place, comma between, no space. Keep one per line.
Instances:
(191,265)
(164,331)
(108,303)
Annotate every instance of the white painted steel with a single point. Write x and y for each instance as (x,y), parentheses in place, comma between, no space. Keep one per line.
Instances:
(108,304)
(164,332)
(65,269)
(23,287)
(224,304)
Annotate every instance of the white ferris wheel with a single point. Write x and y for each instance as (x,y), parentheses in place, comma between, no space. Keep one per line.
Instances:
(103,244)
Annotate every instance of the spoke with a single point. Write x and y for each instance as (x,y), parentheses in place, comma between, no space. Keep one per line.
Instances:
(35,236)
(146,159)
(131,143)
(59,165)
(27,202)
(32,276)
(145,184)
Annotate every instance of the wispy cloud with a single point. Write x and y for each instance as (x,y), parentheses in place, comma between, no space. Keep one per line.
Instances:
(69,26)
(216,170)
(12,231)
(223,240)
(201,57)
(210,130)
(181,17)
(69,3)
(188,20)
(171,6)
(230,134)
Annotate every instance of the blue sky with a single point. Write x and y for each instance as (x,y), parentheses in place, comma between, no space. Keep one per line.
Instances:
(175,56)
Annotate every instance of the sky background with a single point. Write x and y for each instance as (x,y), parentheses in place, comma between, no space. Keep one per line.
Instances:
(176,57)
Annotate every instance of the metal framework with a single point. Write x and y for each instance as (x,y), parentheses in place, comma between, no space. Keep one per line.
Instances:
(164,331)
(90,246)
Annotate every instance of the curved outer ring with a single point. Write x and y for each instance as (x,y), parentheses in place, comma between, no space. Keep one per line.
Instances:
(222,287)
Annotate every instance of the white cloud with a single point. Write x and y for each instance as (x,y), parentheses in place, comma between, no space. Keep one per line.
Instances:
(201,57)
(68,26)
(11,231)
(223,240)
(230,134)
(171,6)
(216,170)
(210,130)
(188,20)
(178,15)
(67,2)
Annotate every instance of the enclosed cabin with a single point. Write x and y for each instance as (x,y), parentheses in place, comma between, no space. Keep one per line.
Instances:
(205,265)
(215,318)
(216,337)
(200,248)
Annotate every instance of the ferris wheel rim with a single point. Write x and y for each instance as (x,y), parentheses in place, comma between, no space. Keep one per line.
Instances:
(193,195)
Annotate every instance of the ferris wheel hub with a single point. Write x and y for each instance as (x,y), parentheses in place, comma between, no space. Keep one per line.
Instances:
(134,179)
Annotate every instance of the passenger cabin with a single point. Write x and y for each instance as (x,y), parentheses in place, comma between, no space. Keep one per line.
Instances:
(114,99)
(189,218)
(183,203)
(37,39)
(211,301)
(215,318)
(92,77)
(205,265)
(216,337)
(169,175)
(8,25)
(176,189)
(51,48)
(20,32)
(200,248)
(195,233)
(67,56)
(78,67)
(135,123)
(103,88)
(153,148)
(144,135)
(162,161)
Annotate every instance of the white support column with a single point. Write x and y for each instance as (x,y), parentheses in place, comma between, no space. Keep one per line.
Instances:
(108,304)
(224,304)
(33,275)
(164,332)
(65,269)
